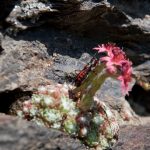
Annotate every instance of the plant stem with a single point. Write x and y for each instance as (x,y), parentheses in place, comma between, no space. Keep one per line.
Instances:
(90,86)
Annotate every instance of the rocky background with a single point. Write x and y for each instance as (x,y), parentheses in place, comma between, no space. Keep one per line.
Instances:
(47,41)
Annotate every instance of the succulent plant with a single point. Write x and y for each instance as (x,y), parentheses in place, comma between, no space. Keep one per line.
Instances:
(51,107)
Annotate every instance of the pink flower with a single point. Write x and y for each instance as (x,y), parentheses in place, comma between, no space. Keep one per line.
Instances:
(114,56)
(111,49)
(125,75)
(116,62)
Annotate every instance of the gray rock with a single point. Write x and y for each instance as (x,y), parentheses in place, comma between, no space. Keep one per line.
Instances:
(111,94)
(139,97)
(142,72)
(32,59)
(98,20)
(133,137)
(16,134)
(17,59)
(111,20)
(6,6)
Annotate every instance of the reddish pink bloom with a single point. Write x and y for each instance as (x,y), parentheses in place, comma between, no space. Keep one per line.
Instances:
(116,62)
(125,75)
(114,56)
(112,50)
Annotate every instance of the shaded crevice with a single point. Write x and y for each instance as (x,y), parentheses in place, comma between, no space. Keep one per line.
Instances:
(1,49)
(139,100)
(9,97)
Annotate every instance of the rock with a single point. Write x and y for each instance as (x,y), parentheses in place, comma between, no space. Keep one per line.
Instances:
(17,59)
(18,134)
(65,68)
(27,61)
(142,73)
(133,137)
(140,102)
(6,6)
(115,21)
(111,94)
(99,21)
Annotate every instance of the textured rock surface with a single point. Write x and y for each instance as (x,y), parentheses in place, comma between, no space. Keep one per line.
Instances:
(17,59)
(6,7)
(16,134)
(133,137)
(100,20)
(103,20)
(111,94)
(30,59)
(142,72)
